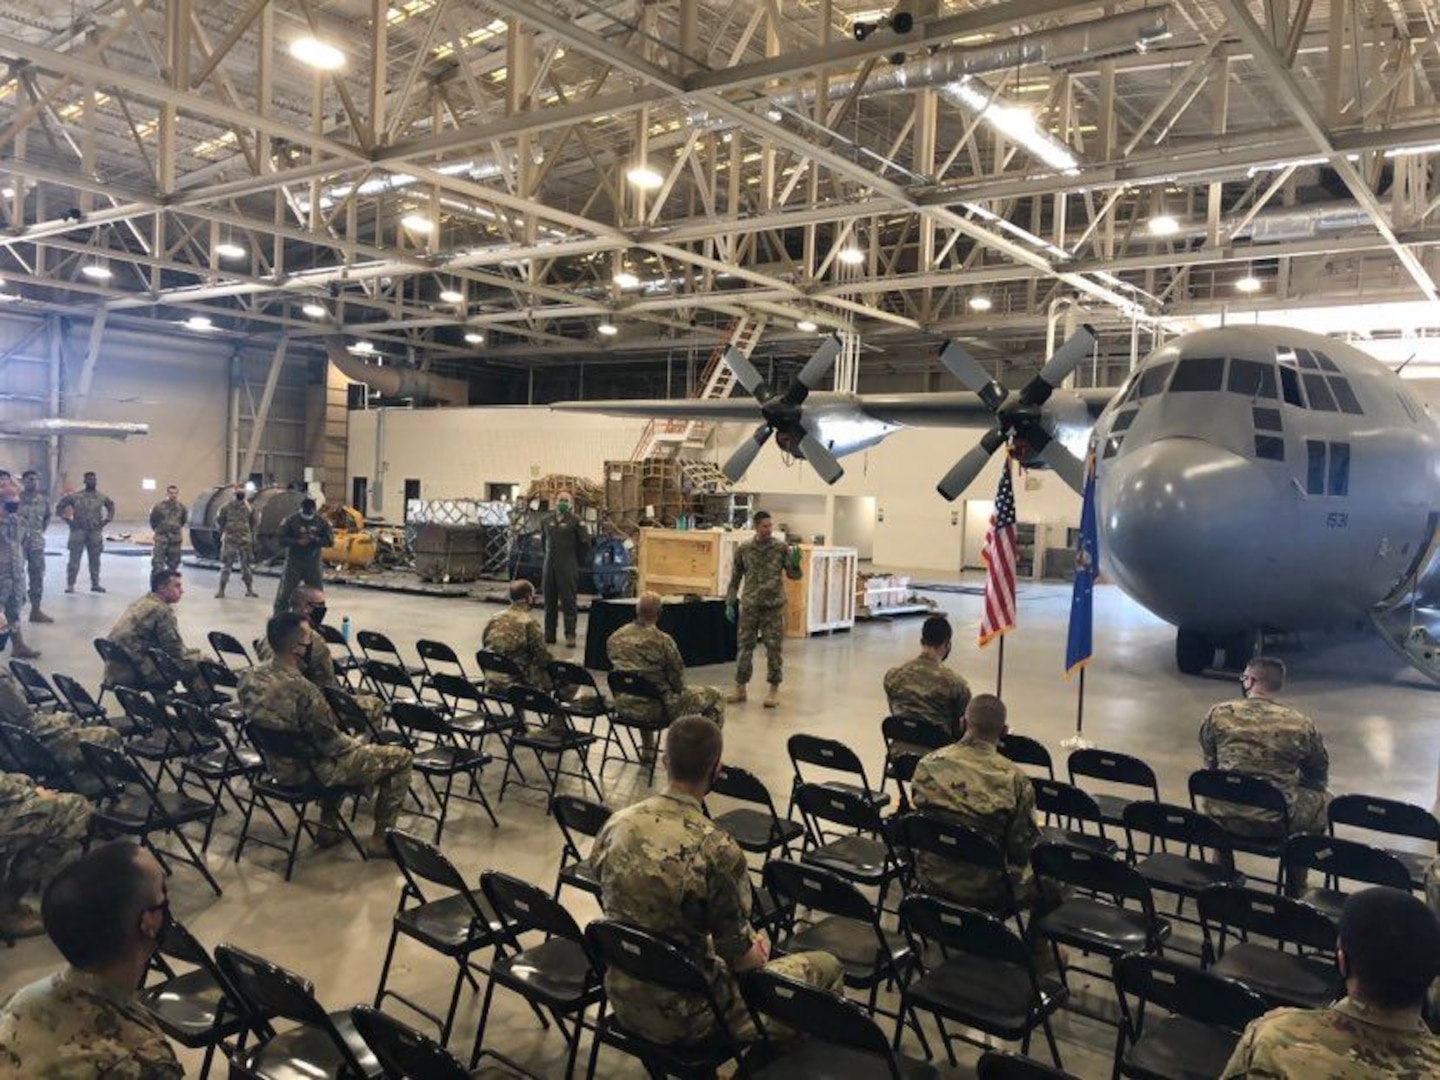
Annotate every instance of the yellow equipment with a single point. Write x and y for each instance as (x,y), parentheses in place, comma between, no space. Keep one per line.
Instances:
(355,546)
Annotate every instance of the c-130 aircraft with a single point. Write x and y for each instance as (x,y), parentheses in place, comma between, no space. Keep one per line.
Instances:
(1249,479)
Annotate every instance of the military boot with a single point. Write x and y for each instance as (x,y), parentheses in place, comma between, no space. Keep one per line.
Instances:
(329,833)
(249,590)
(772,699)
(736,696)
(220,592)
(38,616)
(18,649)
(375,845)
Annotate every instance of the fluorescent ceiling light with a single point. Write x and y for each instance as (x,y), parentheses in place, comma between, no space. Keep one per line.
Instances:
(451,296)
(980,303)
(96,271)
(362,347)
(644,177)
(315,311)
(320,55)
(1014,122)
(228,250)
(851,256)
(7,193)
(7,297)
(626,279)
(475,338)
(1162,225)
(806,326)
(607,328)
(199,322)
(417,222)
(1413,151)
(1248,284)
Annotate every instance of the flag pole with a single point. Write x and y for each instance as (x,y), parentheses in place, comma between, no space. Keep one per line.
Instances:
(1000,670)
(1078,740)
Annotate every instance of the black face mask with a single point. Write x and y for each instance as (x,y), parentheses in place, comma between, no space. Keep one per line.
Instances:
(239,496)
(317,615)
(4,638)
(11,507)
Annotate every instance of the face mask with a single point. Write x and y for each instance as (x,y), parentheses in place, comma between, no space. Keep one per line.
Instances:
(317,615)
(564,507)
(11,506)
(4,638)
(239,496)
(308,515)
(89,485)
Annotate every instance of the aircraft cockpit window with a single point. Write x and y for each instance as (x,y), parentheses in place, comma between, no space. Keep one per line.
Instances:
(1344,396)
(1306,359)
(1315,473)
(1328,468)
(1326,364)
(1123,420)
(1290,386)
(1339,468)
(1252,379)
(1321,400)
(1112,446)
(1196,373)
(1270,447)
(1408,404)
(1266,419)
(1152,381)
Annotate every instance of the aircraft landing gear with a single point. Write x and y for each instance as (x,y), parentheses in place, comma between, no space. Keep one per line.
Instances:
(1194,651)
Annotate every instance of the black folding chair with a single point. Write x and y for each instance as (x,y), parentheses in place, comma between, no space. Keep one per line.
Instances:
(320,1045)
(862,854)
(907,740)
(831,755)
(456,925)
(1067,810)
(1183,874)
(1338,860)
(378,646)
(556,974)
(498,668)
(578,693)
(934,842)
(1232,917)
(229,650)
(224,685)
(648,959)
(759,832)
(1024,751)
(195,1007)
(1209,787)
(126,669)
(442,760)
(86,709)
(1204,1016)
(474,715)
(1120,770)
(357,721)
(577,817)
(37,689)
(440,659)
(1000,1066)
(162,745)
(633,684)
(974,971)
(556,739)
(218,761)
(390,680)
(33,756)
(1390,817)
(347,664)
(131,805)
(401,1050)
(840,1039)
(180,685)
(848,930)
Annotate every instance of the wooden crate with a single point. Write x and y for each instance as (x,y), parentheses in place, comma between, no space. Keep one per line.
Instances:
(823,600)
(674,562)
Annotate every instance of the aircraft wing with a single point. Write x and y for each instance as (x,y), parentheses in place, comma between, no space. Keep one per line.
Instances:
(738,409)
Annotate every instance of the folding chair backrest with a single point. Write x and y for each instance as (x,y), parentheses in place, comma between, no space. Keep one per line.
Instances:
(115,769)
(165,664)
(1024,750)
(633,684)
(1185,990)
(915,732)
(411,716)
(820,1014)
(1348,859)
(420,861)
(1234,908)
(437,652)
(825,754)
(372,642)
(403,1051)
(930,919)
(217,676)
(1239,789)
(33,757)
(564,673)
(733,782)
(1389,816)
(391,679)
(1000,1065)
(294,745)
(139,708)
(37,690)
(950,840)
(493,663)
(455,689)
(80,700)
(227,645)
(817,889)
(1166,821)
(647,958)
(194,721)
(526,907)
(332,636)
(838,808)
(1112,768)
(1062,800)
(1092,872)
(346,709)
(579,817)
(114,653)
(533,701)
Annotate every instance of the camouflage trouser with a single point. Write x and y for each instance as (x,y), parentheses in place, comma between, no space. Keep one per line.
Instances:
(1432,894)
(230,550)
(1308,812)
(768,625)
(63,734)
(385,768)
(373,708)
(818,969)
(12,592)
(166,553)
(89,542)
(698,700)
(35,571)
(38,836)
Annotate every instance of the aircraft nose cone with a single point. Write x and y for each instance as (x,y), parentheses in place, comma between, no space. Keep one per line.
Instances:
(1173,513)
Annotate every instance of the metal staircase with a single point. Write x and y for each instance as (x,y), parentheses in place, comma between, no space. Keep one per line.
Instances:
(667,439)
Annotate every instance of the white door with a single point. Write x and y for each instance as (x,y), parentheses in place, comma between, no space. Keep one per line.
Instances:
(977,524)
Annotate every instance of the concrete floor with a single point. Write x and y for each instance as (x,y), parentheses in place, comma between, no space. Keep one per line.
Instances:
(332,921)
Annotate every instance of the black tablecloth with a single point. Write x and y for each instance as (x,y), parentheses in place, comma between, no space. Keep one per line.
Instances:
(699,627)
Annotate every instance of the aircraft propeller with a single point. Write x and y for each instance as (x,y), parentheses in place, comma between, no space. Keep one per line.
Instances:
(783,414)
(1024,420)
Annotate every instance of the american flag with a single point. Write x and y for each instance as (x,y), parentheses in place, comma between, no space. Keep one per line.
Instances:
(999,556)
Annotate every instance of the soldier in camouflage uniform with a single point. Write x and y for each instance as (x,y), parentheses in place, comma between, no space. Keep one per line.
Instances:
(1389,952)
(40,831)
(237,541)
(12,567)
(150,623)
(88,512)
(168,519)
(925,688)
(757,582)
(34,518)
(303,535)
(666,868)
(1258,735)
(972,783)
(277,695)
(645,649)
(515,634)
(84,1022)
(61,732)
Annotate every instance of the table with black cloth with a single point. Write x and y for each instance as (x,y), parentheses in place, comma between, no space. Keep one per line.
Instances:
(699,627)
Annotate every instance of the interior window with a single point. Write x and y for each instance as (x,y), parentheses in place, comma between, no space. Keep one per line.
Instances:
(1325,362)
(1345,396)
(1270,447)
(1290,387)
(1251,379)
(1266,419)
(1339,468)
(1124,420)
(1319,394)
(1152,380)
(1315,472)
(1199,373)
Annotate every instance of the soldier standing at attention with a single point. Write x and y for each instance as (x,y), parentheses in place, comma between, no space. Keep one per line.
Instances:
(88,512)
(12,567)
(757,582)
(1389,952)
(666,868)
(515,635)
(303,535)
(168,518)
(106,913)
(566,546)
(925,688)
(237,541)
(40,831)
(1258,735)
(34,518)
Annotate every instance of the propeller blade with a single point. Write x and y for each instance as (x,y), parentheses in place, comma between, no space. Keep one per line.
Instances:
(815,369)
(744,455)
(958,361)
(963,473)
(1057,369)
(1065,465)
(746,372)
(820,459)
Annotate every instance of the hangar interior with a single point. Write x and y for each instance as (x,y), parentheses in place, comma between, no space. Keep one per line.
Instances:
(363,246)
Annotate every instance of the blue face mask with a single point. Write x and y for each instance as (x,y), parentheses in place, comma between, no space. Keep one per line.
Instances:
(11,506)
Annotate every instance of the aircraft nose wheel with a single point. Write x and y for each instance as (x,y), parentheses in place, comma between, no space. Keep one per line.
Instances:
(1194,651)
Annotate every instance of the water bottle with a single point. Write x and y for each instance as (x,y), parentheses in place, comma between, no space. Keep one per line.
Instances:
(345,629)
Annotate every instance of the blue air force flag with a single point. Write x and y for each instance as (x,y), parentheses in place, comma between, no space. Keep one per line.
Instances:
(1078,647)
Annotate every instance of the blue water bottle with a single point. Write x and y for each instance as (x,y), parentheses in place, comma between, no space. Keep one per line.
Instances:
(345,629)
